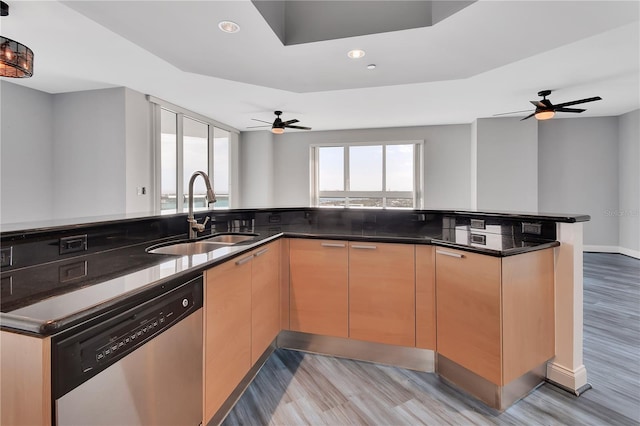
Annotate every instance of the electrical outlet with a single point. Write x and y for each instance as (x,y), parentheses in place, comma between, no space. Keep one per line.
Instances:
(274,218)
(477,224)
(73,244)
(532,228)
(6,256)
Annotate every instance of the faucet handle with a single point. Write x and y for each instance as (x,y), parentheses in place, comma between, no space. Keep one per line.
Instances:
(199,227)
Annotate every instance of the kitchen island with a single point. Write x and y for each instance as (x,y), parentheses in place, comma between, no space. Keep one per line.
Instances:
(115,270)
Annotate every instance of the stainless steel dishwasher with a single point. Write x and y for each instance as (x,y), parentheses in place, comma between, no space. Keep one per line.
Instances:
(139,367)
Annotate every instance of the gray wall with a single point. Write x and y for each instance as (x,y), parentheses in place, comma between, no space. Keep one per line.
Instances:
(74,155)
(89,155)
(578,160)
(446,161)
(139,153)
(26,149)
(629,181)
(86,153)
(506,164)
(256,169)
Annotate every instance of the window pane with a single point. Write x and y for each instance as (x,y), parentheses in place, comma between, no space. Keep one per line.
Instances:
(365,202)
(365,168)
(221,167)
(331,168)
(329,202)
(195,157)
(168,148)
(399,168)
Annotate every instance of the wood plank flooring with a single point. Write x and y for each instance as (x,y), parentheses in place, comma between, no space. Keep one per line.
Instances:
(295,388)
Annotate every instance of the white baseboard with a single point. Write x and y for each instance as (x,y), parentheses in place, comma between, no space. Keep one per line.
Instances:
(566,377)
(612,249)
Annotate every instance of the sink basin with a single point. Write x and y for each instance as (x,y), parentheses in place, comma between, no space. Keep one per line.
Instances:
(231,238)
(186,249)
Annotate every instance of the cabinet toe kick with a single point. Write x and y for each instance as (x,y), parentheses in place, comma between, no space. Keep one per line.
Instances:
(495,396)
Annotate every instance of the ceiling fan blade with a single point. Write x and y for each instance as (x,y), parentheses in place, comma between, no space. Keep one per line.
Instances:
(512,112)
(529,116)
(539,104)
(581,101)
(298,127)
(286,123)
(262,121)
(570,109)
(252,127)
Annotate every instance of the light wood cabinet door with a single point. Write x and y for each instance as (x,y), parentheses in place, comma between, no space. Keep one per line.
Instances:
(382,293)
(528,312)
(425,297)
(265,298)
(227,330)
(25,380)
(495,315)
(468,311)
(284,283)
(319,292)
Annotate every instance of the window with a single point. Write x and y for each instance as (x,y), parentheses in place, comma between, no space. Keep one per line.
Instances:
(367,175)
(188,143)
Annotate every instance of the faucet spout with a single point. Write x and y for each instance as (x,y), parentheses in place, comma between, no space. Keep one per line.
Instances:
(194,226)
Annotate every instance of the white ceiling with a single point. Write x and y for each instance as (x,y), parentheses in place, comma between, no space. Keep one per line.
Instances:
(489,58)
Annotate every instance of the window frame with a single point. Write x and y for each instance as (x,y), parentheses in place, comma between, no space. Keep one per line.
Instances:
(157,105)
(347,194)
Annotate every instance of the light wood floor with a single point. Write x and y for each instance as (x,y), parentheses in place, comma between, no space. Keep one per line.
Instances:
(295,388)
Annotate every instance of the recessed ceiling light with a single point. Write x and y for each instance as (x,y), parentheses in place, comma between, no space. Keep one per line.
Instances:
(355,53)
(371,66)
(228,27)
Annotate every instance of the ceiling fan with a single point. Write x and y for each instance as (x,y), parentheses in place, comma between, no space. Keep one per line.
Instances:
(278,125)
(546,110)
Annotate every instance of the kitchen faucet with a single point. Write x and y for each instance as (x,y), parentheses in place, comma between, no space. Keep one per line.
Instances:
(194,226)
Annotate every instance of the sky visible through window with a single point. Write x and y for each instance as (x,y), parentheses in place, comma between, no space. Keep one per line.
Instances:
(369,168)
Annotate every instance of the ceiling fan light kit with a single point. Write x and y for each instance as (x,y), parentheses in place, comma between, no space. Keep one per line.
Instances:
(278,126)
(16,59)
(544,115)
(546,110)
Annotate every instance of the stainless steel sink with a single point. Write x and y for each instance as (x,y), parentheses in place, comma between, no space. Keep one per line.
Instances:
(186,249)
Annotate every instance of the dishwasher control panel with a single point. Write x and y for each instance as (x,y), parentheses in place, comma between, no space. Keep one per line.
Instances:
(136,330)
(83,354)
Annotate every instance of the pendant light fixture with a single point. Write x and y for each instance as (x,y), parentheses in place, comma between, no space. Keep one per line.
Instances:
(16,59)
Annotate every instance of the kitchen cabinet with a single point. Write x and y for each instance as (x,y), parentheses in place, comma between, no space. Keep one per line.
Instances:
(319,291)
(227,330)
(285,274)
(242,317)
(495,315)
(265,298)
(425,297)
(25,374)
(382,293)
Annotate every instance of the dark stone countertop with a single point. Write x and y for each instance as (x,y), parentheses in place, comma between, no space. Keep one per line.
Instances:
(48,293)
